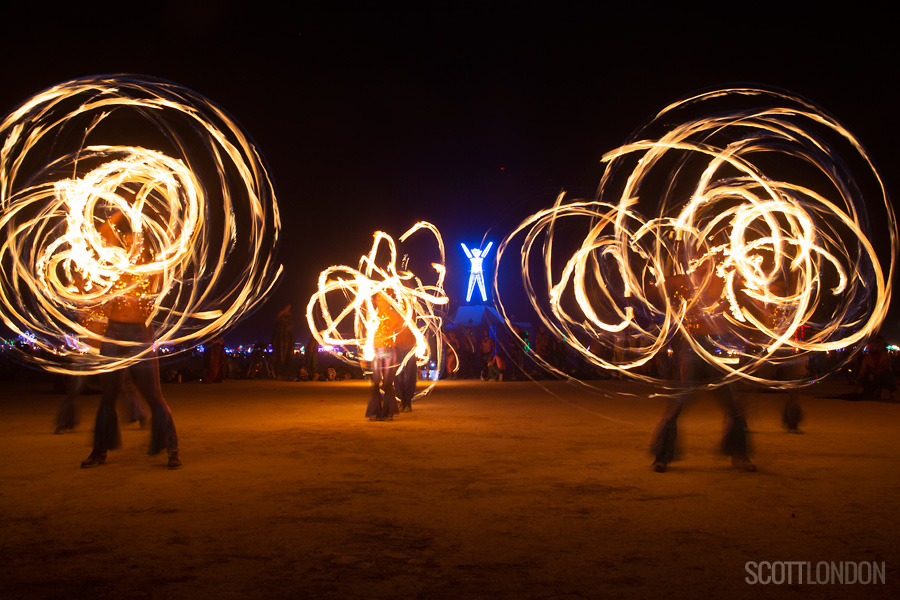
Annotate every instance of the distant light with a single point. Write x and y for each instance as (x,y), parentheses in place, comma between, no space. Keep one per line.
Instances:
(476,272)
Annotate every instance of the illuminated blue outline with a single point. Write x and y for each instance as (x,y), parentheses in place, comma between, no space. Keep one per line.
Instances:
(476,273)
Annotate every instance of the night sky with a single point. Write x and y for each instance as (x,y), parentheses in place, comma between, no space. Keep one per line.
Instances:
(468,115)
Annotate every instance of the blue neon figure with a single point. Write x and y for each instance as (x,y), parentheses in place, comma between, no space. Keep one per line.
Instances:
(476,273)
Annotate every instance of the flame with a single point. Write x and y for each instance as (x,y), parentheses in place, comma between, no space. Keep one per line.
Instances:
(345,302)
(190,188)
(758,231)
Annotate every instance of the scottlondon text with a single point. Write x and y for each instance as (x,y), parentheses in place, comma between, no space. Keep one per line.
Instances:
(821,573)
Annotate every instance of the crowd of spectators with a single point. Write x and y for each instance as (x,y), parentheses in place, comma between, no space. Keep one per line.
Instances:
(486,354)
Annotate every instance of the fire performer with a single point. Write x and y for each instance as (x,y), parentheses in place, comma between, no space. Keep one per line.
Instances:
(128,315)
(383,402)
(395,327)
(701,290)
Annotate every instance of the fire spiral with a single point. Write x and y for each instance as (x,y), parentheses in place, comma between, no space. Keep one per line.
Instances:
(109,182)
(747,223)
(343,313)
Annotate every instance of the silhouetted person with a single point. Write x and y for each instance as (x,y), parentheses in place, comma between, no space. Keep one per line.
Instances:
(283,342)
(383,402)
(311,358)
(496,367)
(127,314)
(67,417)
(215,359)
(875,372)
(704,287)
(792,415)
(486,349)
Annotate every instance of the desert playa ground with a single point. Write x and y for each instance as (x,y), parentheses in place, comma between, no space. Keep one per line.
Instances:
(485,490)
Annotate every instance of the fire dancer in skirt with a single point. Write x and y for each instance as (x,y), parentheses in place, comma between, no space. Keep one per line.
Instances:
(127,316)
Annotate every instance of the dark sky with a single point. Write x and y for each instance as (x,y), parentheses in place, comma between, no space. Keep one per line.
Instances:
(468,115)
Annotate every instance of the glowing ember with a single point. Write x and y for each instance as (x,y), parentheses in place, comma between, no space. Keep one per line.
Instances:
(179,182)
(761,236)
(342,312)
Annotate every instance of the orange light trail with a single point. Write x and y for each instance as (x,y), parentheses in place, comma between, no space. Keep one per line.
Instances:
(189,186)
(342,312)
(759,227)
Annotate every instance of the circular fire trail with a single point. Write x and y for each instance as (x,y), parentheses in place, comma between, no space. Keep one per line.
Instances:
(748,222)
(343,310)
(113,185)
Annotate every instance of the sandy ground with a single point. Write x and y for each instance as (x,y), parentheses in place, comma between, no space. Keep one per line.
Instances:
(486,490)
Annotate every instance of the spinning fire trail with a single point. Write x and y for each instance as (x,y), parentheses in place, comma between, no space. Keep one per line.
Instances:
(345,302)
(769,226)
(170,175)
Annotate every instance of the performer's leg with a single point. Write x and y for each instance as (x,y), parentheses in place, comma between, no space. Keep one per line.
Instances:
(405,385)
(373,409)
(792,414)
(412,378)
(67,417)
(663,443)
(734,437)
(106,427)
(410,387)
(138,413)
(389,400)
(162,430)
